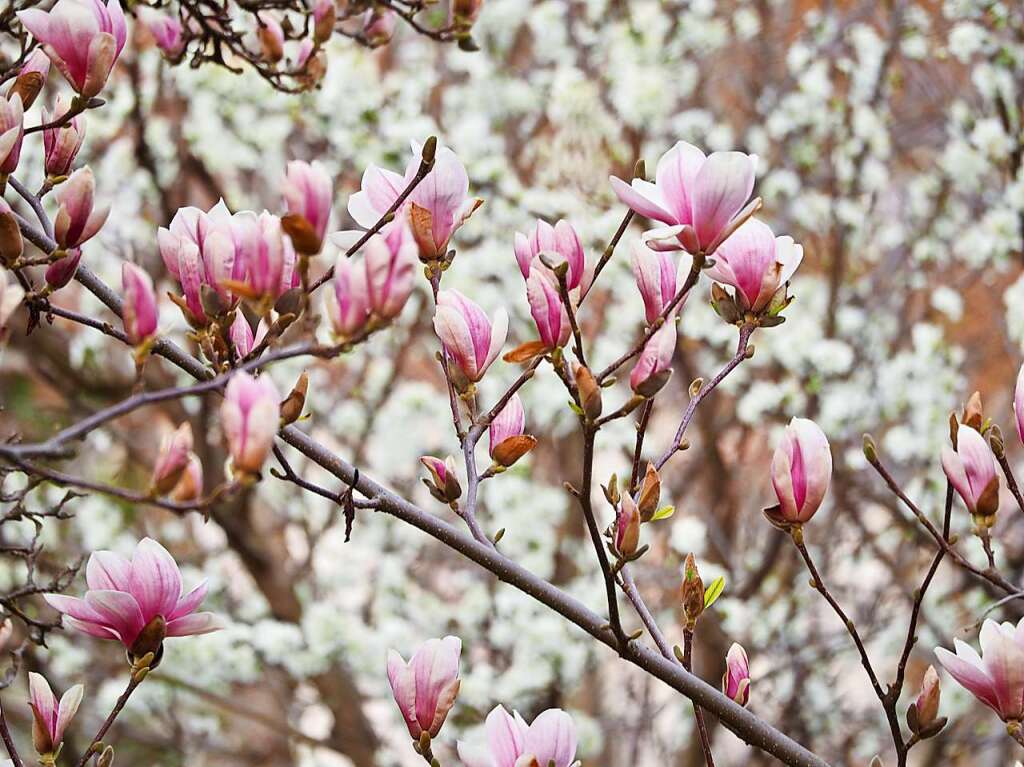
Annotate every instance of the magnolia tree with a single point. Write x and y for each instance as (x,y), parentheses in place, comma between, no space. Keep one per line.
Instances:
(272,288)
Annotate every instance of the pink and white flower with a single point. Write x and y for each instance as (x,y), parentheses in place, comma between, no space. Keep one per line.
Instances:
(83,39)
(693,195)
(996,677)
(61,144)
(50,718)
(654,367)
(736,680)
(559,241)
(425,688)
(139,311)
(165,28)
(971,469)
(250,417)
(308,195)
(77,218)
(548,311)
(471,340)
(511,742)
(347,302)
(801,470)
(137,602)
(756,263)
(12,133)
(658,279)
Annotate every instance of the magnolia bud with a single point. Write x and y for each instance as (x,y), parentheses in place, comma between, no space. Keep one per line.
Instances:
(11,243)
(293,404)
(650,493)
(589,391)
(693,592)
(59,273)
(445,486)
(927,702)
(974,415)
(627,527)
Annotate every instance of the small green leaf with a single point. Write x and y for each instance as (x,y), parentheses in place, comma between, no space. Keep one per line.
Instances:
(576,408)
(663,513)
(714,591)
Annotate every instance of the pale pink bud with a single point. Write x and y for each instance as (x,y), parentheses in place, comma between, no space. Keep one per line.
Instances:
(308,195)
(971,469)
(425,688)
(61,144)
(347,302)
(137,602)
(379,26)
(445,485)
(654,366)
(549,740)
(139,312)
(547,309)
(1018,403)
(83,39)
(736,680)
(994,677)
(181,256)
(324,16)
(266,267)
(927,703)
(250,417)
(756,263)
(165,29)
(50,718)
(31,78)
(657,277)
(60,272)
(627,526)
(801,470)
(695,196)
(77,220)
(560,242)
(190,486)
(175,449)
(390,261)
(242,337)
(472,341)
(508,443)
(12,133)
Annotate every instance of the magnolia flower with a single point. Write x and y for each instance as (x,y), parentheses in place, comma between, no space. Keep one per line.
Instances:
(435,209)
(801,471)
(49,718)
(12,133)
(137,602)
(425,688)
(270,37)
(551,738)
(308,194)
(190,485)
(471,340)
(61,144)
(60,272)
(654,366)
(165,28)
(547,309)
(83,38)
(390,261)
(627,526)
(736,680)
(379,26)
(1018,403)
(324,17)
(139,310)
(175,449)
(996,677)
(658,279)
(926,707)
(77,220)
(971,469)
(507,442)
(242,337)
(696,197)
(560,241)
(347,302)
(31,78)
(250,416)
(756,263)
(443,483)
(265,273)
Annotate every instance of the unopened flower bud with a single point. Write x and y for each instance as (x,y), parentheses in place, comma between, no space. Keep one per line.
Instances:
(654,366)
(973,415)
(736,680)
(31,78)
(379,26)
(293,404)
(650,493)
(627,527)
(49,717)
(60,272)
(172,460)
(445,486)
(271,39)
(190,486)
(589,391)
(106,758)
(324,16)
(508,443)
(693,592)
(927,703)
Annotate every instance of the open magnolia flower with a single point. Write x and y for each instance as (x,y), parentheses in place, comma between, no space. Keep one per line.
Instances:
(137,602)
(511,742)
(996,677)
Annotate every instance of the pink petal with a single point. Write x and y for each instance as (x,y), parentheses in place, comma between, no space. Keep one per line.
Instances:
(724,185)
(156,580)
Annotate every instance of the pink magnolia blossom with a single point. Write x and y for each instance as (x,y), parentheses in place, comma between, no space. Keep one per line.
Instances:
(627,526)
(31,78)
(250,417)
(510,422)
(551,738)
(471,340)
(62,271)
(83,38)
(242,337)
(547,309)
(736,680)
(175,449)
(801,470)
(61,144)
(165,28)
(658,279)
(1018,403)
(308,195)
(425,688)
(266,272)
(270,38)
(694,196)
(756,263)
(379,26)
(139,311)
(190,485)
(444,482)
(560,241)
(50,717)
(971,469)
(347,302)
(77,219)
(654,366)
(137,602)
(435,209)
(996,677)
(390,261)
(12,133)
